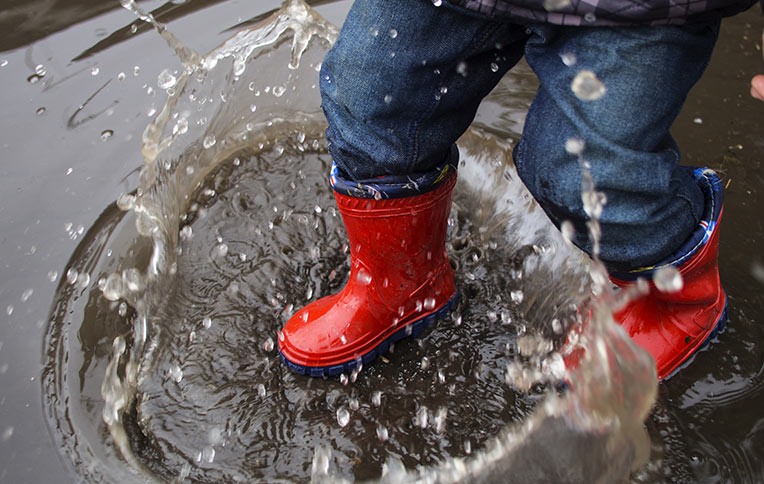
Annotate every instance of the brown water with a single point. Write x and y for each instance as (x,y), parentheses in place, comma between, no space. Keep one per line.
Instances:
(706,425)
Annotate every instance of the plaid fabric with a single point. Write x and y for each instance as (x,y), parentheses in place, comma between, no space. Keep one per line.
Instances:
(606,12)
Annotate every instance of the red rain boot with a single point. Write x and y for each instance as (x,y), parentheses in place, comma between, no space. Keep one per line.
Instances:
(673,326)
(400,282)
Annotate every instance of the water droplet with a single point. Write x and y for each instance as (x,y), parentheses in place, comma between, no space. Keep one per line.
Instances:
(3,63)
(587,87)
(458,321)
(590,17)
(393,33)
(279,91)
(594,202)
(106,134)
(83,279)
(261,391)
(429,303)
(208,455)
(71,276)
(239,66)
(443,90)
(121,76)
(364,277)
(382,433)
(268,345)
(166,79)
(388,98)
(422,417)
(556,326)
(181,127)
(136,71)
(467,447)
(517,296)
(343,416)
(425,363)
(221,250)
(461,69)
(209,141)
(186,232)
(440,420)
(668,279)
(176,373)
(126,202)
(494,67)
(698,121)
(122,309)
(113,287)
(207,322)
(52,276)
(376,398)
(132,279)
(568,58)
(40,70)
(40,111)
(9,309)
(94,71)
(7,433)
(26,295)
(574,146)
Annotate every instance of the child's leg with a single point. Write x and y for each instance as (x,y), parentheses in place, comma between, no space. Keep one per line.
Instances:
(653,204)
(404,81)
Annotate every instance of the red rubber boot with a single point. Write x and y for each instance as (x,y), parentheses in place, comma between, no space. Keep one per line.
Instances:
(400,282)
(672,326)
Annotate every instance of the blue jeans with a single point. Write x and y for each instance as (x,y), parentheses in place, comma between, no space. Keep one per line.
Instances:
(405,78)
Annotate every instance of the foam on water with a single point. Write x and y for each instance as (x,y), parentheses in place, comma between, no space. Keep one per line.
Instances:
(535,312)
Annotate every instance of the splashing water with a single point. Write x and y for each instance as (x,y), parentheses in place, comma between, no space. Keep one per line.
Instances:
(214,402)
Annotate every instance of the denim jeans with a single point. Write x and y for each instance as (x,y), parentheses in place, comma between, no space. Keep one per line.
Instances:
(405,78)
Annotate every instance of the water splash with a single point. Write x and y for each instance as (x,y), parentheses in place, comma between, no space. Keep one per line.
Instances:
(159,202)
(610,390)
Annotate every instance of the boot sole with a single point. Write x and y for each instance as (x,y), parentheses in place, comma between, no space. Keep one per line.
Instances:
(414,329)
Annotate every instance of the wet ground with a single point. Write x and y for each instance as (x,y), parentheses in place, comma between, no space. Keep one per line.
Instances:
(70,145)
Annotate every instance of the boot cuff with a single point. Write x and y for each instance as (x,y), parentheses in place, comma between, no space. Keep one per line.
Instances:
(395,186)
(713,193)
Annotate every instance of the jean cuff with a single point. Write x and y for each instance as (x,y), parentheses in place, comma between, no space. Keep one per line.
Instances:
(395,186)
